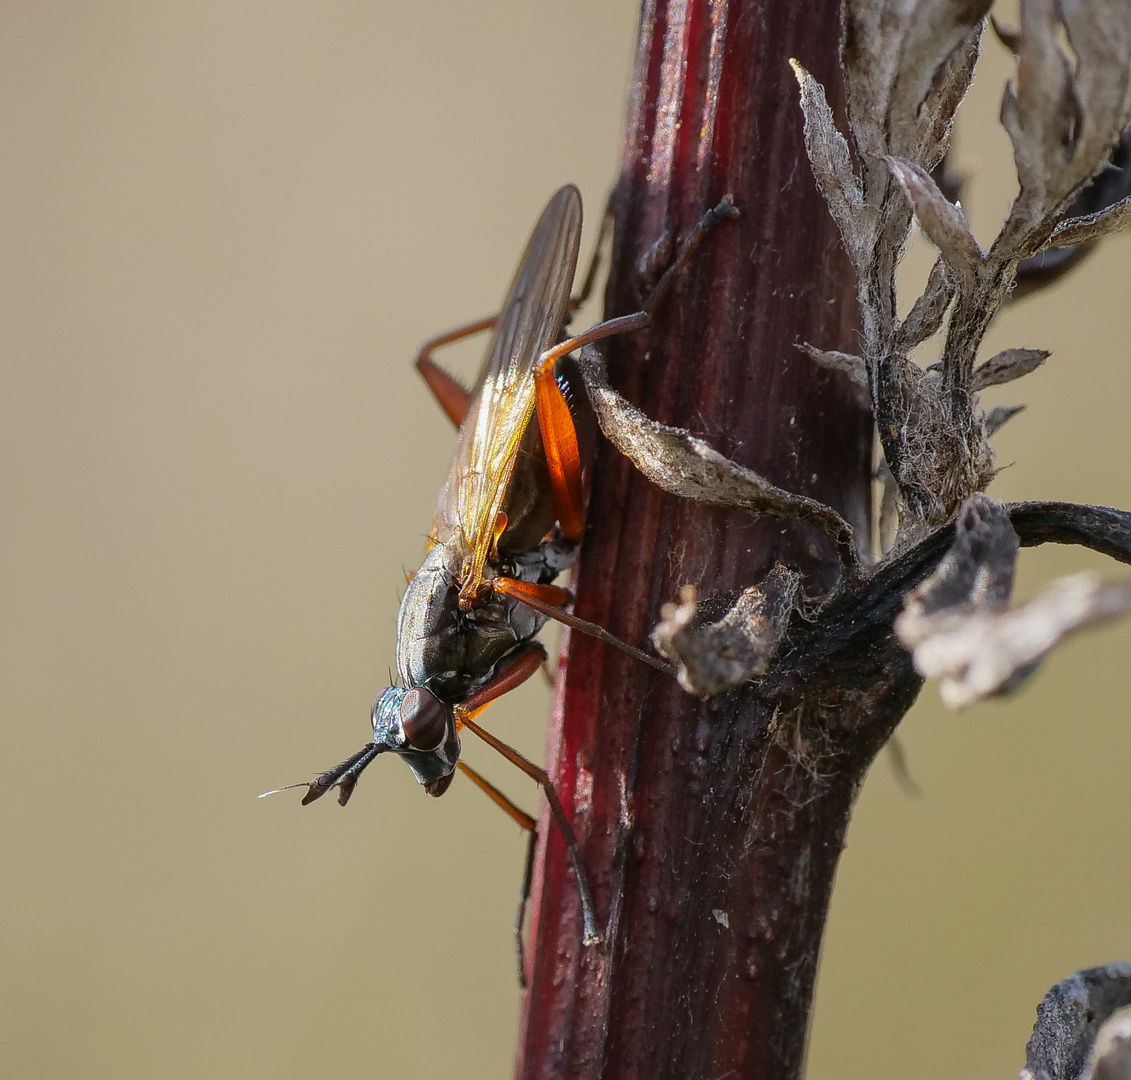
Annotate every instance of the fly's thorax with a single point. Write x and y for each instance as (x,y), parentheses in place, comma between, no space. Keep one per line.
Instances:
(417,725)
(427,624)
(452,652)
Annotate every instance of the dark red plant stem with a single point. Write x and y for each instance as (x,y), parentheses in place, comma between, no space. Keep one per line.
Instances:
(710,831)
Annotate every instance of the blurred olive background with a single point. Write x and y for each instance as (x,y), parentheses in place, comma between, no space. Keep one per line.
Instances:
(224,230)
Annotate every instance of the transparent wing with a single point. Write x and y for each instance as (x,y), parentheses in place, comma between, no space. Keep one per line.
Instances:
(502,403)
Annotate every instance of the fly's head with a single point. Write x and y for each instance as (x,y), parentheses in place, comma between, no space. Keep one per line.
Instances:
(411,722)
(422,729)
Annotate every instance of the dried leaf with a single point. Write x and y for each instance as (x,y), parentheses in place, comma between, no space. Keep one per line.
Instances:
(1077,230)
(998,417)
(926,314)
(1041,113)
(981,652)
(1064,120)
(847,364)
(976,571)
(678,462)
(942,221)
(831,161)
(873,39)
(1102,206)
(716,655)
(1110,1058)
(1099,528)
(1071,1036)
(1007,365)
(1099,32)
(906,68)
(940,49)
(1095,210)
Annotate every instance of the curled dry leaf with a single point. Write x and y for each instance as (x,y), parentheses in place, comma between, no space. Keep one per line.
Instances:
(846,364)
(943,222)
(979,652)
(926,314)
(1110,1058)
(1077,230)
(1081,1031)
(907,67)
(998,417)
(1007,365)
(1041,111)
(1063,118)
(684,465)
(870,58)
(717,655)
(1103,206)
(957,622)
(1099,34)
(831,161)
(936,114)
(977,570)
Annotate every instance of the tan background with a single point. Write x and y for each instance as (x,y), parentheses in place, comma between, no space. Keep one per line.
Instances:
(225,228)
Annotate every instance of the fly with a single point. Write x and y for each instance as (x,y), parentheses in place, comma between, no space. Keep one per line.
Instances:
(508,521)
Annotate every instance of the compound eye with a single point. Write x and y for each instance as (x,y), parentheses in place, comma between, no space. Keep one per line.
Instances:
(424,718)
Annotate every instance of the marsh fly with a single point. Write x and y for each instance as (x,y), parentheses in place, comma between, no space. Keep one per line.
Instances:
(508,521)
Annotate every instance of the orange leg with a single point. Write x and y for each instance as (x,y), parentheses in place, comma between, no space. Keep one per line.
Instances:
(559,436)
(525,665)
(588,917)
(521,817)
(549,600)
(529,824)
(452,396)
(537,596)
(563,458)
(517,673)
